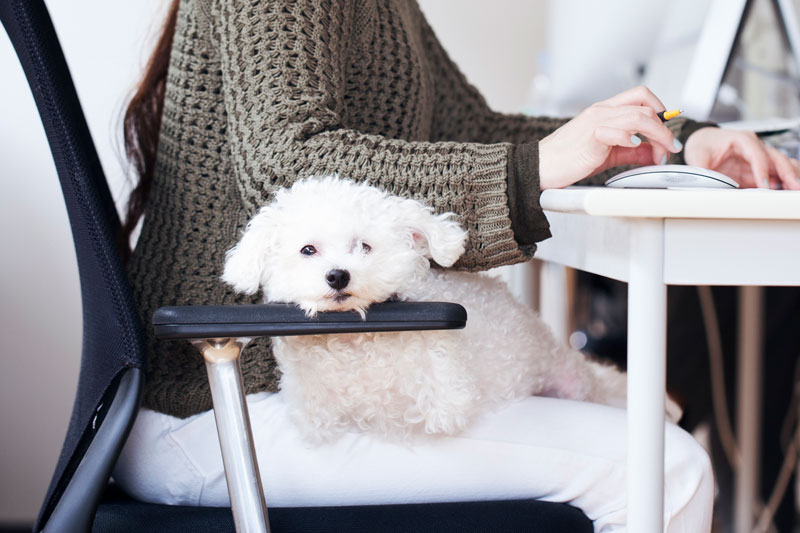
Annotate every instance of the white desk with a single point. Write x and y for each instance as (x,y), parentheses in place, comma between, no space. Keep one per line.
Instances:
(654,238)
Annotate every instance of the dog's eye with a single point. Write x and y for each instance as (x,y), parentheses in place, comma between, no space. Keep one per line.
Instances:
(366,248)
(308,250)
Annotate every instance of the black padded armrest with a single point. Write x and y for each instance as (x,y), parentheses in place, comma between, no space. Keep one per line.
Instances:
(274,320)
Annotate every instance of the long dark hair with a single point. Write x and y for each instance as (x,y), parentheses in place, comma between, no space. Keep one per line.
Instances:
(142,123)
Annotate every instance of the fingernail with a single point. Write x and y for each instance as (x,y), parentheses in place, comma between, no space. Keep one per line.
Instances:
(663,160)
(765,182)
(636,140)
(677,144)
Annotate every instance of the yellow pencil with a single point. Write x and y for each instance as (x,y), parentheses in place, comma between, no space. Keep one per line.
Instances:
(666,115)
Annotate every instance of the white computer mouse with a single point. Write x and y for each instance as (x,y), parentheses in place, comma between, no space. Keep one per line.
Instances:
(668,176)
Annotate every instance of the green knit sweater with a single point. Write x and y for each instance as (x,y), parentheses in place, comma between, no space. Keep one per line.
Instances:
(262,93)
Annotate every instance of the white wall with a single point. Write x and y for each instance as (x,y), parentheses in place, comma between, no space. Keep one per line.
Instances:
(105,44)
(495,44)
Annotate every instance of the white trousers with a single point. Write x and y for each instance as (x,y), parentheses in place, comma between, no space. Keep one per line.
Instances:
(544,448)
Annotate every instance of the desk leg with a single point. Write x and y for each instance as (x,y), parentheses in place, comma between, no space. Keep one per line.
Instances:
(553,306)
(751,304)
(647,324)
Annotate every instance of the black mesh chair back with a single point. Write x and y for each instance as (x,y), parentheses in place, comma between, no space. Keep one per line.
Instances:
(112,333)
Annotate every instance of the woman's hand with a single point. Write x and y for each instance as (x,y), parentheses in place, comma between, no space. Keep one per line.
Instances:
(743,157)
(605,136)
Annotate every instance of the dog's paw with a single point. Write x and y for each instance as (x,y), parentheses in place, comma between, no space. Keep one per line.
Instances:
(674,412)
(443,422)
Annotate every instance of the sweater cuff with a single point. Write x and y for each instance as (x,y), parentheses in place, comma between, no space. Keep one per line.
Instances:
(527,216)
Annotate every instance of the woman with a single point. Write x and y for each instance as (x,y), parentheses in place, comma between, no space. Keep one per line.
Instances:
(242,98)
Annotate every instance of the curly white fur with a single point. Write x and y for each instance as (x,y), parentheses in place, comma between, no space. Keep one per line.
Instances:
(397,384)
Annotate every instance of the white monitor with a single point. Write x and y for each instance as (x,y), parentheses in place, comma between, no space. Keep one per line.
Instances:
(691,53)
(695,47)
(683,49)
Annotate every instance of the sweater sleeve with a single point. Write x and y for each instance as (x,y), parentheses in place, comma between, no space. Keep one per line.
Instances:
(282,69)
(462,113)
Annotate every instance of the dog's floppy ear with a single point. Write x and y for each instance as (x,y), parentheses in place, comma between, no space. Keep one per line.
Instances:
(246,263)
(437,237)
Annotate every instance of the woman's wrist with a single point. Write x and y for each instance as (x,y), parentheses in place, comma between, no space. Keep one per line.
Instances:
(552,174)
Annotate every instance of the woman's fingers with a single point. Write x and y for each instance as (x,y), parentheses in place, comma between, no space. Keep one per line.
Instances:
(642,120)
(638,96)
(642,100)
(753,151)
(611,136)
(785,169)
(633,152)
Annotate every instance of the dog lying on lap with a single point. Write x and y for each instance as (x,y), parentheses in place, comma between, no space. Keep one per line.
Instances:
(330,244)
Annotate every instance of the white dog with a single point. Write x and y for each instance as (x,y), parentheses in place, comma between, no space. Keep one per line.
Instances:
(334,245)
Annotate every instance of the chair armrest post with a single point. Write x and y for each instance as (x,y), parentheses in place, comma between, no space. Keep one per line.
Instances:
(235,435)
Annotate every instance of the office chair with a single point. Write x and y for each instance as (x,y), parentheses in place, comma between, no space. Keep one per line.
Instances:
(111,377)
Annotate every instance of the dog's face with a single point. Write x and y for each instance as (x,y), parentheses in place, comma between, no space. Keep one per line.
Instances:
(332,245)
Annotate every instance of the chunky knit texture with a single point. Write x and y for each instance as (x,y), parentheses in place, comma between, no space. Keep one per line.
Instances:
(262,93)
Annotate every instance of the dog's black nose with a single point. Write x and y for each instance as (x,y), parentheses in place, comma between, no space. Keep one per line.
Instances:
(338,279)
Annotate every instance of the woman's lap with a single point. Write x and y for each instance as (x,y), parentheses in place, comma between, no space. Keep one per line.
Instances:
(543,448)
